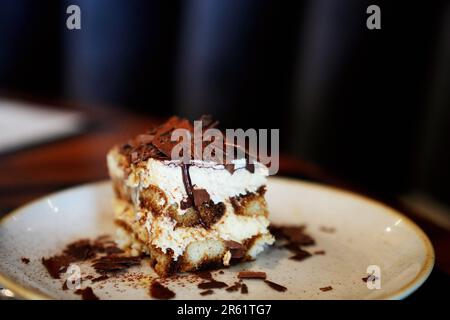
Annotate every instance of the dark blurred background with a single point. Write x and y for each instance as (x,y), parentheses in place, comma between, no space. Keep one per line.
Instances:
(369,105)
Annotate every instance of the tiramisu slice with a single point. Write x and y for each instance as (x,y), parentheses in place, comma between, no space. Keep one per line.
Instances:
(186,216)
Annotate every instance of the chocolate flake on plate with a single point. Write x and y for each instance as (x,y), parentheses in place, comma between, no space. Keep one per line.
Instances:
(56,265)
(80,250)
(87,294)
(252,275)
(212,285)
(321,252)
(275,286)
(370,277)
(207,292)
(301,255)
(297,235)
(158,291)
(113,250)
(235,287)
(294,234)
(293,247)
(115,263)
(244,289)
(25,260)
(206,275)
(325,289)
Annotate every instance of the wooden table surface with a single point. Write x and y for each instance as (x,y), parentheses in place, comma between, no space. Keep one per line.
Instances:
(32,172)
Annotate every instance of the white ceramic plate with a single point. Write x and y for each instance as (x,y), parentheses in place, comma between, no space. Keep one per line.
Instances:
(367,233)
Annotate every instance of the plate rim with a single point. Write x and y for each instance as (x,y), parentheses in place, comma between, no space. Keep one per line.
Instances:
(401,293)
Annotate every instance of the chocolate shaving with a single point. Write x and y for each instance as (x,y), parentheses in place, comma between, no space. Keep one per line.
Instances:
(325,289)
(237,250)
(80,250)
(235,287)
(230,244)
(162,139)
(321,252)
(87,294)
(112,250)
(212,285)
(157,144)
(187,181)
(142,152)
(230,167)
(158,291)
(293,247)
(275,286)
(301,255)
(64,286)
(206,275)
(250,167)
(294,234)
(244,289)
(251,275)
(25,260)
(200,196)
(370,277)
(207,292)
(56,265)
(297,236)
(115,263)
(185,204)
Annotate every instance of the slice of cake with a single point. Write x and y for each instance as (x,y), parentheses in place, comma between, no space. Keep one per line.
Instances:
(186,216)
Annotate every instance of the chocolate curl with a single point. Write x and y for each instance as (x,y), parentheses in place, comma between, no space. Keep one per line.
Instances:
(200,196)
(162,139)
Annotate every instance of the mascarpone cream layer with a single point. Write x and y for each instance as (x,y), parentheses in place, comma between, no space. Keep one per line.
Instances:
(164,235)
(214,178)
